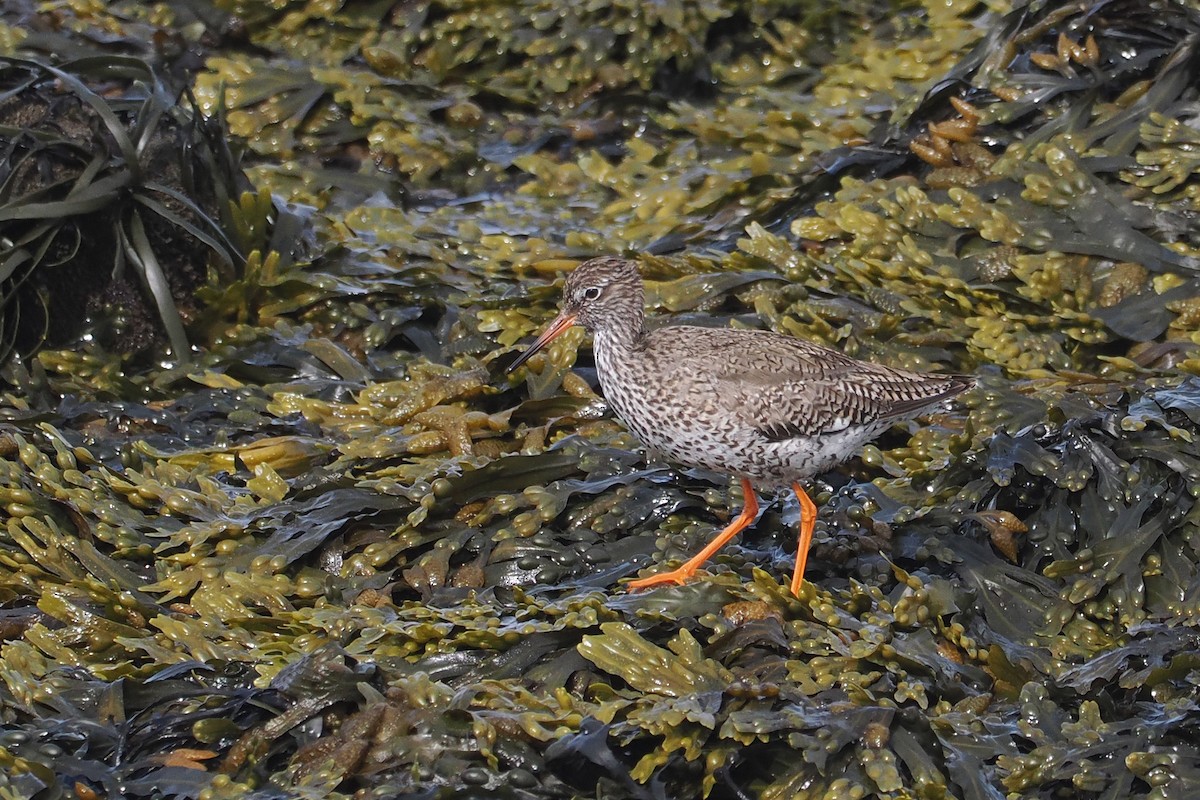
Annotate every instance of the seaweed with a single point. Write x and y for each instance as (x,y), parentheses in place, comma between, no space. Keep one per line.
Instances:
(340,551)
(104,201)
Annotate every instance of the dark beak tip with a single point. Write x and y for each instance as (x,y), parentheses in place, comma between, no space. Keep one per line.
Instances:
(518,361)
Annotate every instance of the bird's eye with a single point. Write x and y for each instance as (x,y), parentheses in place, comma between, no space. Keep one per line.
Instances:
(592,293)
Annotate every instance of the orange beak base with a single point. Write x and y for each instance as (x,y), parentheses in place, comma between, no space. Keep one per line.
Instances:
(560,325)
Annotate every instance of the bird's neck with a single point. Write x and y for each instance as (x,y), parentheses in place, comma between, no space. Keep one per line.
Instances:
(623,334)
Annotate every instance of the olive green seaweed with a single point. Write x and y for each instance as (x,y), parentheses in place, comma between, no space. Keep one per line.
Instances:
(339,552)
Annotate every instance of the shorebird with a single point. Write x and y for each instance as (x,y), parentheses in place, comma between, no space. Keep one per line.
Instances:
(763,406)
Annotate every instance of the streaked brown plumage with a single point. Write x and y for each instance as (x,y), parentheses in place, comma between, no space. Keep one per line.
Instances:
(763,406)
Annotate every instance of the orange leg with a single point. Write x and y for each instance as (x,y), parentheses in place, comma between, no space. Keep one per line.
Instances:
(680,575)
(808,520)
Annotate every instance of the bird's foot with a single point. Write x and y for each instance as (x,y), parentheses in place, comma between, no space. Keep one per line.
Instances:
(677,576)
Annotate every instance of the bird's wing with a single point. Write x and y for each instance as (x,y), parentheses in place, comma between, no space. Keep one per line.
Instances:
(788,409)
(781,407)
(786,387)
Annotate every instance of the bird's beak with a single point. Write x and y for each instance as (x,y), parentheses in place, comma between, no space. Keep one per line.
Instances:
(560,325)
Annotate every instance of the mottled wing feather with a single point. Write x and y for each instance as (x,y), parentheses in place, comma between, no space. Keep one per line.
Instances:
(782,431)
(817,408)
(794,388)
(791,387)
(788,408)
